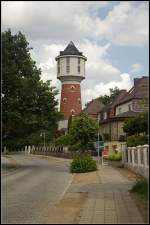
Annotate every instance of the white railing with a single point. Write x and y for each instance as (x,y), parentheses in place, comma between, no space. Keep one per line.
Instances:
(137,159)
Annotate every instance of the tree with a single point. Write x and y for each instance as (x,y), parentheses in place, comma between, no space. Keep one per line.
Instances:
(137,125)
(82,131)
(28,104)
(106,99)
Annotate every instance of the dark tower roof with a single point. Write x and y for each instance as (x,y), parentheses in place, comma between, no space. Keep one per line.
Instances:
(70,50)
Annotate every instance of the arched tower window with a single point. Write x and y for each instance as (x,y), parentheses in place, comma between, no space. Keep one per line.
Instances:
(72,87)
(72,111)
(64,100)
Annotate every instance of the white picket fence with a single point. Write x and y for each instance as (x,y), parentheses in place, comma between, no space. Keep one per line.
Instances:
(137,159)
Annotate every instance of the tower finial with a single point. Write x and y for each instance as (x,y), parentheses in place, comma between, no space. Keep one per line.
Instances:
(71,43)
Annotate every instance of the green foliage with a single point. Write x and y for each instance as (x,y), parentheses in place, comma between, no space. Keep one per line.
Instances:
(136,125)
(135,140)
(106,99)
(82,131)
(69,122)
(82,164)
(28,104)
(141,187)
(63,140)
(115,156)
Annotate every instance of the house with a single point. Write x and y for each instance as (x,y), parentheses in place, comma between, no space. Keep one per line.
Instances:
(136,99)
(125,105)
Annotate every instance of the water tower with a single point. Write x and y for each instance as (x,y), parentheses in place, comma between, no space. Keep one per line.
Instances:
(70,71)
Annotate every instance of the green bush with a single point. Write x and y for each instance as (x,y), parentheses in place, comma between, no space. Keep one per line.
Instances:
(75,147)
(63,140)
(136,140)
(82,164)
(141,187)
(115,156)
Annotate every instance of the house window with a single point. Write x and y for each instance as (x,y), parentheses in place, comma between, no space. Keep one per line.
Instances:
(68,64)
(58,68)
(119,110)
(105,115)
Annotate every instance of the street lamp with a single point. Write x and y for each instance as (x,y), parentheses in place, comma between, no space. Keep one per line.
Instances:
(43,133)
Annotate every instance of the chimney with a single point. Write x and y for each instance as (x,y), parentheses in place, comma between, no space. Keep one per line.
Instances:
(136,81)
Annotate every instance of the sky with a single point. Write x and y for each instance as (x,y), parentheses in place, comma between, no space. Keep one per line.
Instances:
(113,35)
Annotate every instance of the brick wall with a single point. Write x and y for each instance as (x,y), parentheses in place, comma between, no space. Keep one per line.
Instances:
(70,100)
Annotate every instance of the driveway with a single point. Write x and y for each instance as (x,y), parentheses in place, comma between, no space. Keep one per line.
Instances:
(29,192)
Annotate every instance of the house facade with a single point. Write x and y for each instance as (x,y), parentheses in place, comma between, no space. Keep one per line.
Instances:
(125,105)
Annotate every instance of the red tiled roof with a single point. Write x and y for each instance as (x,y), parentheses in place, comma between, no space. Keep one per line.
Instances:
(93,107)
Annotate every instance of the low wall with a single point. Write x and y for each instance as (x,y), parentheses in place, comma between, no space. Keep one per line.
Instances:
(137,159)
(57,151)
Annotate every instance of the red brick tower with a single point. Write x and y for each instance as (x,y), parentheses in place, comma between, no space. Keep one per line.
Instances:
(70,71)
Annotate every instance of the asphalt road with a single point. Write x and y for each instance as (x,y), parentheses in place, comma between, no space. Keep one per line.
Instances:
(29,192)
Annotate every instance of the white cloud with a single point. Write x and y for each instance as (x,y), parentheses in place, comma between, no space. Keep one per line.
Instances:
(136,68)
(100,73)
(125,24)
(102,89)
(49,26)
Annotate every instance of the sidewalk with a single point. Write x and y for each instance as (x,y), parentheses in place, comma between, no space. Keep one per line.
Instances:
(108,201)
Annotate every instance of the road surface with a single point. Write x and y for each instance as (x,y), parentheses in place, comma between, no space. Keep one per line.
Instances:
(29,192)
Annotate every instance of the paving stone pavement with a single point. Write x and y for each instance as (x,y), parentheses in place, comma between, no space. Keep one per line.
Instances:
(109,202)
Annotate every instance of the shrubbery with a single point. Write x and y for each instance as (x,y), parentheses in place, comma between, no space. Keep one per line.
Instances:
(115,156)
(63,140)
(136,140)
(141,187)
(82,164)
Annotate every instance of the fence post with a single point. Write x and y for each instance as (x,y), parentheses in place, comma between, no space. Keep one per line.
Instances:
(129,156)
(29,149)
(138,155)
(123,149)
(133,158)
(145,149)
